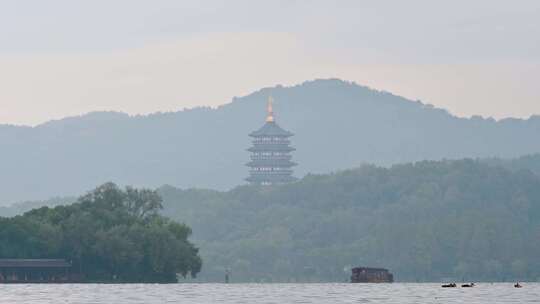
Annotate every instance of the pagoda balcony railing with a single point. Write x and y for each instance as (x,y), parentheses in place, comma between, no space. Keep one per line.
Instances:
(271,147)
(274,148)
(271,157)
(276,172)
(271,142)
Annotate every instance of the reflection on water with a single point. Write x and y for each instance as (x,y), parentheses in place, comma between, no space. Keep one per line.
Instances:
(267,293)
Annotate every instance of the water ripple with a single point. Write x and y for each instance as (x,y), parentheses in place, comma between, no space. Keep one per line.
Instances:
(265,293)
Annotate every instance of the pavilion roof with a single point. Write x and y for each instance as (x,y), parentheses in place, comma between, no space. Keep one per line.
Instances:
(34,263)
(370,269)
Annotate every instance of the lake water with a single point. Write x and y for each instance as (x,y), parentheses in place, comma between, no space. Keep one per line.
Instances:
(267,293)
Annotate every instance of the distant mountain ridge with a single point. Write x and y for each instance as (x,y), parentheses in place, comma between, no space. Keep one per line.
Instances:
(337,125)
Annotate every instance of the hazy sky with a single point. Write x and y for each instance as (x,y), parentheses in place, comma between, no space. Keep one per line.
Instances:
(62,58)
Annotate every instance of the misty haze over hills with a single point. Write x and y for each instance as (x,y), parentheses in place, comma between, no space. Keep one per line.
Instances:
(338,125)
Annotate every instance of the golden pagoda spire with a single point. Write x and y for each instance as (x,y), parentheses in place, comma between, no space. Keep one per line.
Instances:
(270,117)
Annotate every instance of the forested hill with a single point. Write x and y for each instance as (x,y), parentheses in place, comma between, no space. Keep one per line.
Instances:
(338,125)
(428,221)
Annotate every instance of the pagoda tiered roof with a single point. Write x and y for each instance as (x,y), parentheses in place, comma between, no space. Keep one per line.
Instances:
(270,128)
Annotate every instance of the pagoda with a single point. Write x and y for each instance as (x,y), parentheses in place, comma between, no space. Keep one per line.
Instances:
(270,154)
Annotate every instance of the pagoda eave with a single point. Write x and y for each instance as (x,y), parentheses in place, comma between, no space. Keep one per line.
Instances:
(270,163)
(271,148)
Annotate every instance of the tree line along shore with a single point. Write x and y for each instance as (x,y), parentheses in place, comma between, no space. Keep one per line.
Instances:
(462,220)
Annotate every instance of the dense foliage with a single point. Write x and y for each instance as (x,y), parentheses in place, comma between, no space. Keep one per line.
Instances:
(426,221)
(109,234)
(529,162)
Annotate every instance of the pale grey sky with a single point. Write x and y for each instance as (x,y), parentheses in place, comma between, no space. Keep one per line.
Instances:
(63,58)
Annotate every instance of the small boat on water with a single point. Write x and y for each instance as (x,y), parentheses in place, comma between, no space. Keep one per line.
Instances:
(451,285)
(468,285)
(517,285)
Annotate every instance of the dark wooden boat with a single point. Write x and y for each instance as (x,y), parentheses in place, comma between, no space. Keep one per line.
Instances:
(451,285)
(468,285)
(371,275)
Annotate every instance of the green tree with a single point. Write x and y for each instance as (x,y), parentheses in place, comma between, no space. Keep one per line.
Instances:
(109,234)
